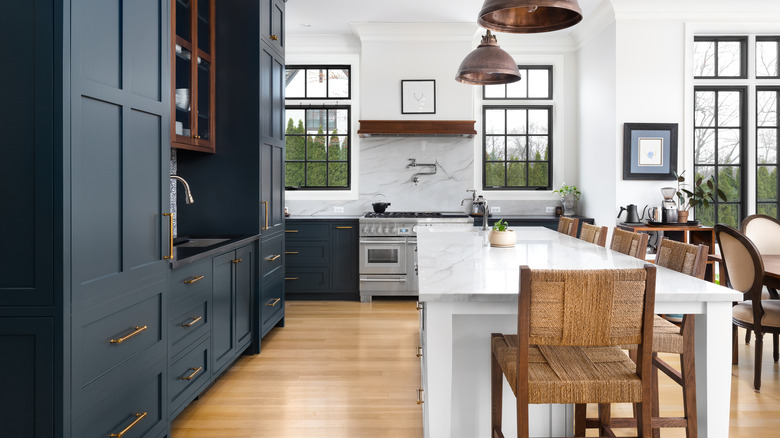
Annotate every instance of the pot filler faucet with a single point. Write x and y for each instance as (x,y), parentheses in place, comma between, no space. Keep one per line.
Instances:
(188,198)
(416,176)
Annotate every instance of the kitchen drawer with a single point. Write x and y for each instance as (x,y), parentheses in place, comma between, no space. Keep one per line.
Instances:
(272,302)
(307,279)
(124,409)
(307,253)
(271,255)
(109,335)
(191,321)
(190,280)
(307,230)
(187,377)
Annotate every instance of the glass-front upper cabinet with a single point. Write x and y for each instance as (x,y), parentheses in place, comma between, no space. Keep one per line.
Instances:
(193,78)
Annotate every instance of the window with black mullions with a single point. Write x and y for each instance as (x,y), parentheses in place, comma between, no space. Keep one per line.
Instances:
(720,57)
(720,149)
(767,134)
(317,147)
(317,82)
(767,57)
(535,83)
(517,146)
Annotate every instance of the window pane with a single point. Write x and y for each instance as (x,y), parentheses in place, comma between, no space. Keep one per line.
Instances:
(294,175)
(337,174)
(295,147)
(515,174)
(704,58)
(537,121)
(768,209)
(766,148)
(537,148)
(494,174)
(204,98)
(704,108)
(294,121)
(538,84)
(729,58)
(766,103)
(338,83)
(316,80)
(518,90)
(338,121)
(766,58)
(337,149)
(728,181)
(515,121)
(316,121)
(495,148)
(294,80)
(728,146)
(766,183)
(495,91)
(494,122)
(315,148)
(728,214)
(728,108)
(704,172)
(315,174)
(704,146)
(516,148)
(537,174)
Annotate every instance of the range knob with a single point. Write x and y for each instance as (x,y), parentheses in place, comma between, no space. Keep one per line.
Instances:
(394,230)
(371,230)
(387,230)
(365,230)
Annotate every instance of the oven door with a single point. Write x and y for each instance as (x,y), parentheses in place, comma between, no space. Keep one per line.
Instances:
(383,255)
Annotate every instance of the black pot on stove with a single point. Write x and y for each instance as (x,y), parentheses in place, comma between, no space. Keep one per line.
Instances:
(379,207)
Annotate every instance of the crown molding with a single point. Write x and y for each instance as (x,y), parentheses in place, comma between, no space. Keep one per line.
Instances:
(330,43)
(411,32)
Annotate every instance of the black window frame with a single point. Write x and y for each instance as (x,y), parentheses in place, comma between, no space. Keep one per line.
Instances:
(775,39)
(306,161)
(742,202)
(327,83)
(550,141)
(743,55)
(776,165)
(549,69)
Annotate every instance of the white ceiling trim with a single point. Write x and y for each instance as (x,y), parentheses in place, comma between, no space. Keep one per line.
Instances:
(414,31)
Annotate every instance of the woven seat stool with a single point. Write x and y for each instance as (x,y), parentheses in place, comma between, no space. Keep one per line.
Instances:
(568,225)
(594,234)
(629,242)
(571,324)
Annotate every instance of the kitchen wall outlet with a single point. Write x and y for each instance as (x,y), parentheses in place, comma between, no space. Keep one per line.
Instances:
(495,209)
(550,210)
(338,209)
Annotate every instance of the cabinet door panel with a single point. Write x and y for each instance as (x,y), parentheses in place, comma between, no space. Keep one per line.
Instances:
(222,334)
(345,257)
(272,302)
(244,290)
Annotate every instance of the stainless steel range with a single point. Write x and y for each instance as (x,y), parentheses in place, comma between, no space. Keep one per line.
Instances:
(388,250)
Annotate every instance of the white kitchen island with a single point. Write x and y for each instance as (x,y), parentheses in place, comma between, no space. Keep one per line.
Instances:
(469,290)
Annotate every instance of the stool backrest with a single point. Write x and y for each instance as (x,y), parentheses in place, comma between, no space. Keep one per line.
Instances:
(594,234)
(568,225)
(629,242)
(686,258)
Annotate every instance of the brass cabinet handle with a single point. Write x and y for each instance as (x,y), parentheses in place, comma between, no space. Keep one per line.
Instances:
(138,329)
(195,372)
(419,305)
(290,278)
(274,38)
(138,418)
(265,203)
(197,137)
(275,302)
(191,323)
(344,228)
(194,279)
(237,260)
(291,252)
(274,257)
(420,396)
(419,351)
(290,231)
(170,236)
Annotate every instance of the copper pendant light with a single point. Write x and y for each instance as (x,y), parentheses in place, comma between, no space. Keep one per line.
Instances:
(488,65)
(529,16)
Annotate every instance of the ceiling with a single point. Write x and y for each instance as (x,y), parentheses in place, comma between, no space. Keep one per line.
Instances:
(334,16)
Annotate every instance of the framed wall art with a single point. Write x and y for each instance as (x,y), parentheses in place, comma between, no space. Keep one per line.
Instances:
(418,96)
(649,151)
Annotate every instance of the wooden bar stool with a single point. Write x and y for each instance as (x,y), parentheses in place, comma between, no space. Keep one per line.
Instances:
(632,243)
(594,234)
(568,225)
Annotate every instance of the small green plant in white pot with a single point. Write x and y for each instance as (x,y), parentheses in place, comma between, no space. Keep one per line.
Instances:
(501,235)
(568,194)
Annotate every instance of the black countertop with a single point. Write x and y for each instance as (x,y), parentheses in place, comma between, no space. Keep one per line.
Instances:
(185,255)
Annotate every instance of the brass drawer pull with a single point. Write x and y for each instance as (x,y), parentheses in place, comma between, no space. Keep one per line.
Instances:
(291,252)
(419,351)
(194,279)
(420,396)
(265,203)
(274,38)
(344,228)
(275,302)
(170,236)
(138,418)
(290,278)
(419,305)
(195,372)
(290,231)
(137,330)
(272,258)
(191,323)
(237,260)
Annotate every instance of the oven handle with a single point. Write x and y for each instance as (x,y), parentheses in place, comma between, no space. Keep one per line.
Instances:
(383,280)
(383,242)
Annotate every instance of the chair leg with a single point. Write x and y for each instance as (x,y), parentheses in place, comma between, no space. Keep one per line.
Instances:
(774,346)
(656,411)
(580,411)
(757,371)
(687,361)
(605,415)
(734,351)
(496,394)
(644,420)
(747,337)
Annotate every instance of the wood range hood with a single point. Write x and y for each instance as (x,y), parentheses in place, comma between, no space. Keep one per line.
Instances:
(416,128)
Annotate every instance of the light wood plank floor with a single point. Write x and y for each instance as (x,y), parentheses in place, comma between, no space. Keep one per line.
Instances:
(346,369)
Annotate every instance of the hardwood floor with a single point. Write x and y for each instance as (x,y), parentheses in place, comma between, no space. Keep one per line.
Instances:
(346,369)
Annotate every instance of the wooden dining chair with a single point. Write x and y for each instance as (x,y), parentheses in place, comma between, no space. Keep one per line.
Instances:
(632,243)
(594,234)
(568,225)
(764,232)
(745,273)
(567,347)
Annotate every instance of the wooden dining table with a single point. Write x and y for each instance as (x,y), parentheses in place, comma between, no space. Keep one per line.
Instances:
(771,270)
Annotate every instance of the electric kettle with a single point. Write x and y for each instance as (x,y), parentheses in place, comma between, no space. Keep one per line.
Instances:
(632,216)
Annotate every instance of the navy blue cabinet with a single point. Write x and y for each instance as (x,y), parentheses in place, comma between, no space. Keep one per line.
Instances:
(322,259)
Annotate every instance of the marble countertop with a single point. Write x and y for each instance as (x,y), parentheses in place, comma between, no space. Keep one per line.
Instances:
(460,265)
(321,217)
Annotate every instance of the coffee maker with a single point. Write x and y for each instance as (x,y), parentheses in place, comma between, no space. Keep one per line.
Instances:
(668,206)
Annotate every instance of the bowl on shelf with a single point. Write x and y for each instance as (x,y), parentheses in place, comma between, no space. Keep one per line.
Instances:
(183,98)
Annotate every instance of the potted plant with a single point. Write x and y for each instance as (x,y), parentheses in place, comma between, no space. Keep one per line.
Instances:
(501,235)
(701,193)
(568,194)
